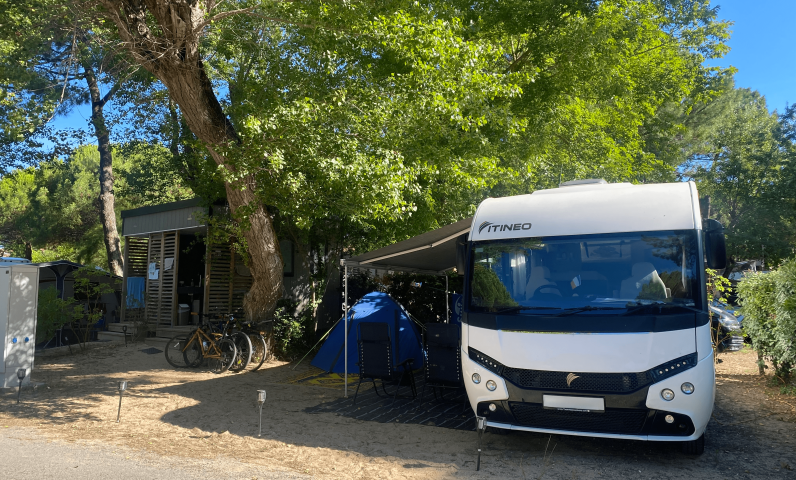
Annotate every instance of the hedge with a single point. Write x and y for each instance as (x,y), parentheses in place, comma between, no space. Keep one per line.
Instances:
(768,305)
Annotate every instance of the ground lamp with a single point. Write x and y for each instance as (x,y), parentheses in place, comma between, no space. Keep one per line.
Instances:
(480,427)
(122,388)
(21,376)
(260,401)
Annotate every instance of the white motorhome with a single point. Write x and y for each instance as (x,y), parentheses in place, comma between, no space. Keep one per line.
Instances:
(586,313)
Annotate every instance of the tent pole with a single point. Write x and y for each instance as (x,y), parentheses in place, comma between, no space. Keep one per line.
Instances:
(447,307)
(345,329)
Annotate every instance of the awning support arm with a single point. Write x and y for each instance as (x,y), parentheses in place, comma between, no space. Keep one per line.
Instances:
(447,307)
(345,325)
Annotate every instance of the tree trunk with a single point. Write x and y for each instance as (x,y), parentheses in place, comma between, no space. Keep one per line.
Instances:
(169,49)
(107,209)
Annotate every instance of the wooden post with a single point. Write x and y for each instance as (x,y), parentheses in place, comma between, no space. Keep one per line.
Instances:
(147,305)
(231,278)
(125,274)
(175,282)
(160,279)
(208,261)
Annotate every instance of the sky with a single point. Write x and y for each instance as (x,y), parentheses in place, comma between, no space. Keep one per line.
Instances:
(763,47)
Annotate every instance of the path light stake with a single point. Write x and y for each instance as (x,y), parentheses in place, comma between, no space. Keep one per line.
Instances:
(480,427)
(21,376)
(261,401)
(122,388)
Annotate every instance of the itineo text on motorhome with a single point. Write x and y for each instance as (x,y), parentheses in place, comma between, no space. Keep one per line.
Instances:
(586,312)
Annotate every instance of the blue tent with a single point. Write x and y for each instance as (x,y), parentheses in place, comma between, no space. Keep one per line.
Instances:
(373,307)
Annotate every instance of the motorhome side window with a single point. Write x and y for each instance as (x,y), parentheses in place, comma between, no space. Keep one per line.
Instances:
(606,270)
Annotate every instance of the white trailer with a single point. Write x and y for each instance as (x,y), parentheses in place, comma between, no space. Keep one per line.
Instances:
(19,291)
(586,314)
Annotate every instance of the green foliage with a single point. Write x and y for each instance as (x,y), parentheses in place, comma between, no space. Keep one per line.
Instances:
(399,118)
(743,159)
(768,303)
(54,206)
(293,328)
(91,289)
(717,286)
(489,289)
(52,313)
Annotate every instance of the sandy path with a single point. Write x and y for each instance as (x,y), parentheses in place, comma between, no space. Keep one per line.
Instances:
(199,415)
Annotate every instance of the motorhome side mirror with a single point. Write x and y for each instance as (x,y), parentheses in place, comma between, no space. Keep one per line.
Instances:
(461,253)
(715,246)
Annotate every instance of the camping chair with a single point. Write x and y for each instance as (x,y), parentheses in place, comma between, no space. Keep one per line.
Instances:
(376,359)
(443,359)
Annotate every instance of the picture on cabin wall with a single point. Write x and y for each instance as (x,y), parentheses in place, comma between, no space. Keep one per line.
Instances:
(153,271)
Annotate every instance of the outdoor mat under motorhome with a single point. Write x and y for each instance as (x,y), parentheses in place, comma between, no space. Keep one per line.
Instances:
(448,411)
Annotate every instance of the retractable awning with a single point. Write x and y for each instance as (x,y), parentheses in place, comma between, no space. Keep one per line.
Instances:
(432,252)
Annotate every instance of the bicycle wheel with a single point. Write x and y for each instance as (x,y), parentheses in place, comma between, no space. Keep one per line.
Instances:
(227,358)
(192,354)
(174,351)
(259,350)
(244,356)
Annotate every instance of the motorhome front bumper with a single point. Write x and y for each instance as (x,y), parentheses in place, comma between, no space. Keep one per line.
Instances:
(640,414)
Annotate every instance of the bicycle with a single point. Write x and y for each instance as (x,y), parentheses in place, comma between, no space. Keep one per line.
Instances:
(260,350)
(192,349)
(251,344)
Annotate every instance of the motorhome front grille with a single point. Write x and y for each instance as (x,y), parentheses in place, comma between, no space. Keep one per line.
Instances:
(613,420)
(573,381)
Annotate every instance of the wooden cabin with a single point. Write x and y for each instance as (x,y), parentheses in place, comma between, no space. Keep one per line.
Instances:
(171,271)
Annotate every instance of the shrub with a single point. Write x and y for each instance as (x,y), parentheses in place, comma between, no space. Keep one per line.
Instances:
(293,329)
(52,313)
(768,303)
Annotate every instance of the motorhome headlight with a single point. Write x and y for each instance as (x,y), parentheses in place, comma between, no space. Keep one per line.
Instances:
(726,319)
(492,407)
(476,378)
(667,394)
(485,361)
(491,385)
(687,388)
(669,419)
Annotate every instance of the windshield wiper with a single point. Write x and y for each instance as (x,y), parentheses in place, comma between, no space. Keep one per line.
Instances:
(635,308)
(520,308)
(587,308)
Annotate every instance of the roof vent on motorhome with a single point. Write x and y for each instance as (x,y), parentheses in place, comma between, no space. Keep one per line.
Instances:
(587,181)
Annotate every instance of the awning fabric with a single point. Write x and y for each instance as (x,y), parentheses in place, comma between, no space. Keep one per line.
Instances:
(432,252)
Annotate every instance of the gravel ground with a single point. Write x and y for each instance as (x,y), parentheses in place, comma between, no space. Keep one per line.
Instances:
(193,421)
(27,454)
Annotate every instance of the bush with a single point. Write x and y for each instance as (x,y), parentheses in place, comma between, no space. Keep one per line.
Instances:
(768,304)
(52,313)
(293,329)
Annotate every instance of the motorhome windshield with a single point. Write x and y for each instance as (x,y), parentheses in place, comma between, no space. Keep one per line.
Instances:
(611,273)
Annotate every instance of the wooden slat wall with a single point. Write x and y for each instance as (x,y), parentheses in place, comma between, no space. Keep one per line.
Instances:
(135,258)
(240,284)
(136,261)
(161,308)
(225,288)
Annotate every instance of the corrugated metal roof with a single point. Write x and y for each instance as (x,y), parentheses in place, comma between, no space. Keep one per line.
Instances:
(163,221)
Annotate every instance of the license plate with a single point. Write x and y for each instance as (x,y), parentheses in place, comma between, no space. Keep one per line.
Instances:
(574,404)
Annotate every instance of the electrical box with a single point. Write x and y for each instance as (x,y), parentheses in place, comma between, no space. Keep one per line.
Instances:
(19,296)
